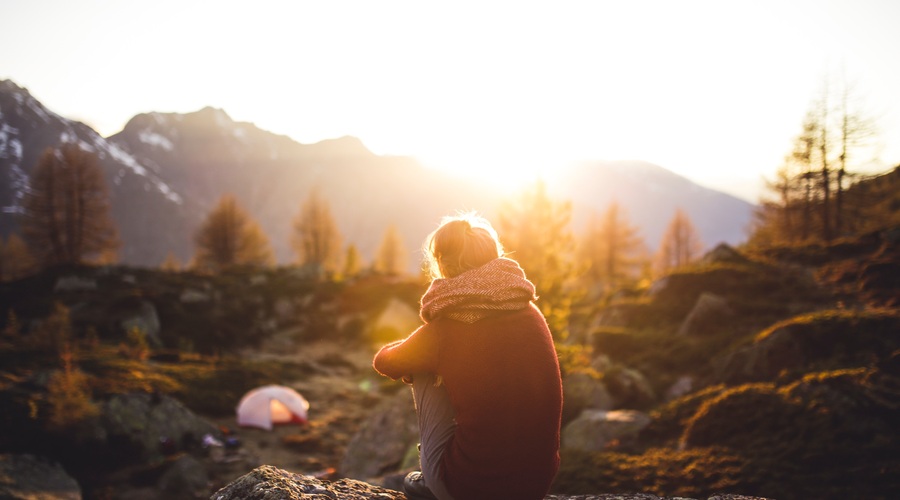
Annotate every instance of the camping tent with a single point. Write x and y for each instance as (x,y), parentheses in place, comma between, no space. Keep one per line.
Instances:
(271,404)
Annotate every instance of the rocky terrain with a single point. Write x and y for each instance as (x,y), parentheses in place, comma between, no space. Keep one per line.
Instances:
(264,483)
(772,374)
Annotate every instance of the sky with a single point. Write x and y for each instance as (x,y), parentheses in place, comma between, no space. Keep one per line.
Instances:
(503,91)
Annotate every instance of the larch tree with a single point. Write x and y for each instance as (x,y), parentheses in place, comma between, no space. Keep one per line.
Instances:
(821,111)
(353,262)
(613,249)
(16,260)
(229,237)
(680,244)
(390,258)
(856,130)
(171,264)
(316,239)
(809,202)
(775,219)
(66,217)
(535,230)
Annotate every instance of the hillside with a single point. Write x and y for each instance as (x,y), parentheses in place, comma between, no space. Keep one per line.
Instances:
(771,374)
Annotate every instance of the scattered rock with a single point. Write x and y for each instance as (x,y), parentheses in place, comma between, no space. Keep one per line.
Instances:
(616,315)
(383,440)
(31,477)
(397,316)
(141,420)
(629,388)
(284,310)
(270,483)
(594,429)
(602,363)
(74,284)
(724,253)
(658,286)
(144,318)
(191,296)
(761,360)
(185,478)
(582,391)
(709,312)
(681,387)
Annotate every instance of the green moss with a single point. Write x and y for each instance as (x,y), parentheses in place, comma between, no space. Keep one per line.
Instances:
(693,473)
(670,420)
(865,325)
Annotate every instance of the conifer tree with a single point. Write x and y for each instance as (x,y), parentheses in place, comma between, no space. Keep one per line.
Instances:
(316,239)
(391,256)
(13,328)
(171,264)
(680,245)
(69,394)
(229,237)
(809,190)
(352,262)
(16,260)
(66,213)
(613,249)
(535,230)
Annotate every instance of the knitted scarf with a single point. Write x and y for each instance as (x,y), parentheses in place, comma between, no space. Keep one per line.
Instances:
(499,285)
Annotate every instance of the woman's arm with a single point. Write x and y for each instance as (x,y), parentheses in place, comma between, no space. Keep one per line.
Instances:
(417,353)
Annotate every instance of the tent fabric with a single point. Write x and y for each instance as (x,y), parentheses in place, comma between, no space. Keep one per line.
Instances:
(271,404)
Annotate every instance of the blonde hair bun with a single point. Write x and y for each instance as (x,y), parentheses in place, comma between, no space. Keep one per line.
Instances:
(461,242)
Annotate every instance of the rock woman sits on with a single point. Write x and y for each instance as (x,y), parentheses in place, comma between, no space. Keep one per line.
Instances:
(484,373)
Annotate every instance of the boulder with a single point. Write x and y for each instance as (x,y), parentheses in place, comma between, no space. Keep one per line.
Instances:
(708,314)
(142,422)
(762,360)
(185,478)
(270,483)
(629,388)
(31,477)
(825,340)
(658,286)
(144,317)
(681,387)
(383,439)
(724,253)
(192,296)
(582,391)
(594,429)
(74,284)
(617,315)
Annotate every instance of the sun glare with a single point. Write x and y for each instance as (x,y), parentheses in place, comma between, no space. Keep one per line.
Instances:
(504,172)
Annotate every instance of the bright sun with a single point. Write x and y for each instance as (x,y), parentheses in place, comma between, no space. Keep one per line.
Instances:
(505,172)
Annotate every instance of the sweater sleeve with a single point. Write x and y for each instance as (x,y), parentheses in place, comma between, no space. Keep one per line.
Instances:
(417,353)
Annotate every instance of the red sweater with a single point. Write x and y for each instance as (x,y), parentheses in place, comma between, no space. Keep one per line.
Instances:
(503,378)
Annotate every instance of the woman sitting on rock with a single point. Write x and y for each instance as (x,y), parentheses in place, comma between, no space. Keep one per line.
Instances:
(484,373)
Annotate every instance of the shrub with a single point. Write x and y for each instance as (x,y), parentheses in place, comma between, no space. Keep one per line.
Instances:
(135,347)
(68,395)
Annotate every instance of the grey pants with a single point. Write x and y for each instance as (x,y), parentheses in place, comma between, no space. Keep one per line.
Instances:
(436,425)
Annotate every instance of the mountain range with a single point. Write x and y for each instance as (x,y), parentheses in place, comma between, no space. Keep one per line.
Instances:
(165,172)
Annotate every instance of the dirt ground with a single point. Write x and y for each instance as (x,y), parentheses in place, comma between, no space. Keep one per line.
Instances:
(340,393)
